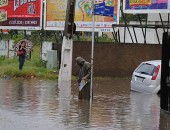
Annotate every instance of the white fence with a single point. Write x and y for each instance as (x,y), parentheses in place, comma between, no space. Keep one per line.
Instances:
(46,46)
(7,48)
(151,36)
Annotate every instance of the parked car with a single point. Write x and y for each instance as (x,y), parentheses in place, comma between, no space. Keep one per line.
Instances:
(146,77)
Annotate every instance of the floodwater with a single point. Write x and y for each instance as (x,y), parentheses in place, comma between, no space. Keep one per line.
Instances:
(46,105)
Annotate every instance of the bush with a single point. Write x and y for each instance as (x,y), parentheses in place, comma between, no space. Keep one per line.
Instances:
(40,63)
(2,58)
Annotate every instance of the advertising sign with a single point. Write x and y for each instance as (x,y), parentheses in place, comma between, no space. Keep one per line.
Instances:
(103,9)
(3,3)
(3,16)
(55,13)
(146,6)
(21,14)
(99,9)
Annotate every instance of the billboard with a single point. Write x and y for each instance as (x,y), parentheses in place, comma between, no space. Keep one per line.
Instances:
(146,6)
(21,14)
(55,12)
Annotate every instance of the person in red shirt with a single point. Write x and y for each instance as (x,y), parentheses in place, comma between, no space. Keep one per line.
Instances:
(22,54)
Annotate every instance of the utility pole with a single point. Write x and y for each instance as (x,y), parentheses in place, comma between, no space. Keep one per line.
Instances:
(69,22)
(165,80)
(65,72)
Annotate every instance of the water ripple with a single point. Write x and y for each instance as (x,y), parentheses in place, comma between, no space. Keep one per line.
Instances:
(37,104)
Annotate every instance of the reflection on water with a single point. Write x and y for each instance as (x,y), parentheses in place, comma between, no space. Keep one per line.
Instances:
(37,104)
(164,121)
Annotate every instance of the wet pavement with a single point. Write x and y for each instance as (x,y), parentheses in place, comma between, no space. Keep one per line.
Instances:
(44,105)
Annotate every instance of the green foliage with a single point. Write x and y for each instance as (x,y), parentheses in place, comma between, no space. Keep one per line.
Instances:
(51,36)
(40,63)
(6,61)
(17,37)
(81,38)
(2,58)
(33,67)
(17,73)
(103,38)
(37,37)
(134,17)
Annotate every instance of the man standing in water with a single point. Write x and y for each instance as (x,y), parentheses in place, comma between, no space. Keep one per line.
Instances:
(84,78)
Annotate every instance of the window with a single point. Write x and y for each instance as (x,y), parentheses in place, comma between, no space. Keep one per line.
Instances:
(146,68)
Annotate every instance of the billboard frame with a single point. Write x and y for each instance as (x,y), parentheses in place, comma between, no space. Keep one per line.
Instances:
(144,11)
(27,27)
(86,29)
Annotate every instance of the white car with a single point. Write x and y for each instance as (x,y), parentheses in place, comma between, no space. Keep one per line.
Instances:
(146,77)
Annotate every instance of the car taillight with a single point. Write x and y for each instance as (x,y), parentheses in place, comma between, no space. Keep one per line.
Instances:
(155,74)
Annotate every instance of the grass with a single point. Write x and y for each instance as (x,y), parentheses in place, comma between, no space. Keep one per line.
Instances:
(33,68)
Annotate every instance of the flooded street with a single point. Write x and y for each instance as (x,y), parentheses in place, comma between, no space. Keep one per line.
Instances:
(44,105)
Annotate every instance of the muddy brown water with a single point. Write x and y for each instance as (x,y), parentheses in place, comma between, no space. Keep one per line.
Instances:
(45,105)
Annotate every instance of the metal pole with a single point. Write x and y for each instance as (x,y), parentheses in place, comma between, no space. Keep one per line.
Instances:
(141,25)
(157,35)
(135,34)
(114,34)
(119,35)
(40,43)
(124,34)
(124,17)
(164,97)
(162,21)
(92,52)
(168,22)
(145,31)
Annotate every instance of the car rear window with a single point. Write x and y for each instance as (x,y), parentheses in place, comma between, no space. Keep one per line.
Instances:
(146,68)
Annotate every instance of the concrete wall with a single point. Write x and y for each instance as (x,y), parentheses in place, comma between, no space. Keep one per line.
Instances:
(46,46)
(114,59)
(6,48)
